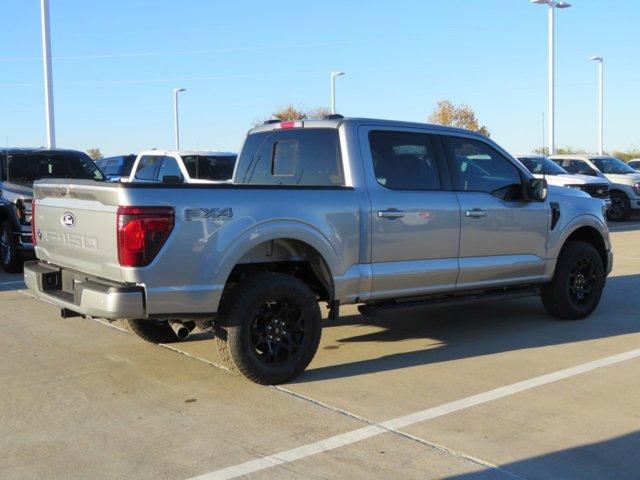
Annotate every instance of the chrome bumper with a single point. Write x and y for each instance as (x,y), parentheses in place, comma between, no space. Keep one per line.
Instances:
(81,294)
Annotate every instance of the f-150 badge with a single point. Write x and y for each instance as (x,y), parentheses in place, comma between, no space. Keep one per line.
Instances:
(224,213)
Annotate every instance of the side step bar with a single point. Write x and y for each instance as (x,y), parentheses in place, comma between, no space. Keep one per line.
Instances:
(507,293)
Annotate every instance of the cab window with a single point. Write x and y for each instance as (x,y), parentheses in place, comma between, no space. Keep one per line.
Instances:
(478,167)
(169,168)
(147,167)
(305,157)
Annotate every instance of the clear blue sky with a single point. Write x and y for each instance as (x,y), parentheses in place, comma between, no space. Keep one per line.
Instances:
(116,62)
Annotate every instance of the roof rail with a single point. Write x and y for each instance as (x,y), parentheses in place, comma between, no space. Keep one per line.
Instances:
(271,121)
(332,116)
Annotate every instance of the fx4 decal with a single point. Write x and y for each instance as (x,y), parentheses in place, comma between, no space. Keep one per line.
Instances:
(215,213)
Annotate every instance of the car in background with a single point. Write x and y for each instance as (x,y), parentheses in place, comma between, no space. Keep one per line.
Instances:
(542,167)
(117,168)
(625,181)
(19,168)
(184,166)
(635,164)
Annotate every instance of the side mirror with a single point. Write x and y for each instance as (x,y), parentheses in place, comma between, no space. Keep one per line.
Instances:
(537,190)
(171,179)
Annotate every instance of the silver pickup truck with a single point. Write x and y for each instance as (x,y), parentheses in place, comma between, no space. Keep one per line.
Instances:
(344,211)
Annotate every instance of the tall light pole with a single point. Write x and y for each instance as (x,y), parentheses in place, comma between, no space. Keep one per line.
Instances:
(333,90)
(600,61)
(48,80)
(552,5)
(175,114)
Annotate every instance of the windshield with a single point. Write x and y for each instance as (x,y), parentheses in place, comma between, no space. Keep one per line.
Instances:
(535,165)
(612,165)
(205,167)
(29,167)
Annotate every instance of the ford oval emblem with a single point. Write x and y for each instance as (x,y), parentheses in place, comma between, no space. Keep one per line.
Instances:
(68,220)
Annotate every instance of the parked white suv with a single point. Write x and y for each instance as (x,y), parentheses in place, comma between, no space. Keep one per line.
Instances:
(184,166)
(541,167)
(625,181)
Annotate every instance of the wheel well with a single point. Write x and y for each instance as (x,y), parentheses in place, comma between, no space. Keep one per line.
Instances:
(593,237)
(289,256)
(615,190)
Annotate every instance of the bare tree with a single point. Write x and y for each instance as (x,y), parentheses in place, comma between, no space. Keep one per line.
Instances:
(461,116)
(291,112)
(95,153)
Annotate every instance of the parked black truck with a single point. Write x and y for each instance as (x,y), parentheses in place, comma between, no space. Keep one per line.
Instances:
(19,168)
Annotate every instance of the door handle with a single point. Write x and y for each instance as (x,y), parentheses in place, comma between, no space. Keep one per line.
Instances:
(390,213)
(475,213)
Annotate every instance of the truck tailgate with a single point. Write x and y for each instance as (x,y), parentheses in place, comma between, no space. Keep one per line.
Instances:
(75,226)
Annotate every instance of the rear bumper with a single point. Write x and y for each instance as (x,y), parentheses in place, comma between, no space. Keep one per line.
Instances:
(93,297)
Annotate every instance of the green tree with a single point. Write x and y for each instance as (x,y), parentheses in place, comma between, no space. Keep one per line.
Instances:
(95,153)
(461,116)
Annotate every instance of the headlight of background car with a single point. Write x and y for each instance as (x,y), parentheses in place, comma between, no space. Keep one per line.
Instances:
(577,187)
(636,188)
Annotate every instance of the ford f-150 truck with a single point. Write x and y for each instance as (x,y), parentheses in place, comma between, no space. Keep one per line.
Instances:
(344,211)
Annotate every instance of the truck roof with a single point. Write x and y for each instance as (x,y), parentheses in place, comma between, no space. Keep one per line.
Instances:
(12,150)
(211,153)
(334,121)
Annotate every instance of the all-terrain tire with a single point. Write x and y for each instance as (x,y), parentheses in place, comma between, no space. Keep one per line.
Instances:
(252,323)
(154,331)
(577,284)
(620,209)
(10,258)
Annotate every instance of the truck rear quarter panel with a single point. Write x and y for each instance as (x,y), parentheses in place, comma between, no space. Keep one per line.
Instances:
(190,271)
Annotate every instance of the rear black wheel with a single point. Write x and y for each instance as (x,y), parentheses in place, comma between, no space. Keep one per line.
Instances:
(620,208)
(577,284)
(10,259)
(269,327)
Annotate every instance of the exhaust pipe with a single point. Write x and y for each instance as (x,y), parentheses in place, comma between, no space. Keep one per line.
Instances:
(181,331)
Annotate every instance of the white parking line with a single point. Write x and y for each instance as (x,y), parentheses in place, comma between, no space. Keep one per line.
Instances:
(364,433)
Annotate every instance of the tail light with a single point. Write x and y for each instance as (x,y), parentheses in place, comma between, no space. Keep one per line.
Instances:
(34,238)
(142,231)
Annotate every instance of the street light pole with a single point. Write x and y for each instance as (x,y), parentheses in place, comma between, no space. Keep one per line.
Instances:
(175,115)
(333,90)
(600,61)
(552,5)
(48,80)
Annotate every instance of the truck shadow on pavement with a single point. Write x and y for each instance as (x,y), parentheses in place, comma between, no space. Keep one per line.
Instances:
(480,329)
(615,458)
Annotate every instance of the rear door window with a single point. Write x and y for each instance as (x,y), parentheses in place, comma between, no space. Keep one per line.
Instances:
(404,160)
(306,157)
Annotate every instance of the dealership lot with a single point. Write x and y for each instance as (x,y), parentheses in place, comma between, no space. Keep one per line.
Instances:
(83,399)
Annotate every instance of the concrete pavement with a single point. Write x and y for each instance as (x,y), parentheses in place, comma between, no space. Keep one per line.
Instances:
(83,400)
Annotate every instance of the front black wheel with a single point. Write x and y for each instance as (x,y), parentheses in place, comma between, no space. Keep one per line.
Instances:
(10,259)
(268,328)
(620,208)
(577,284)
